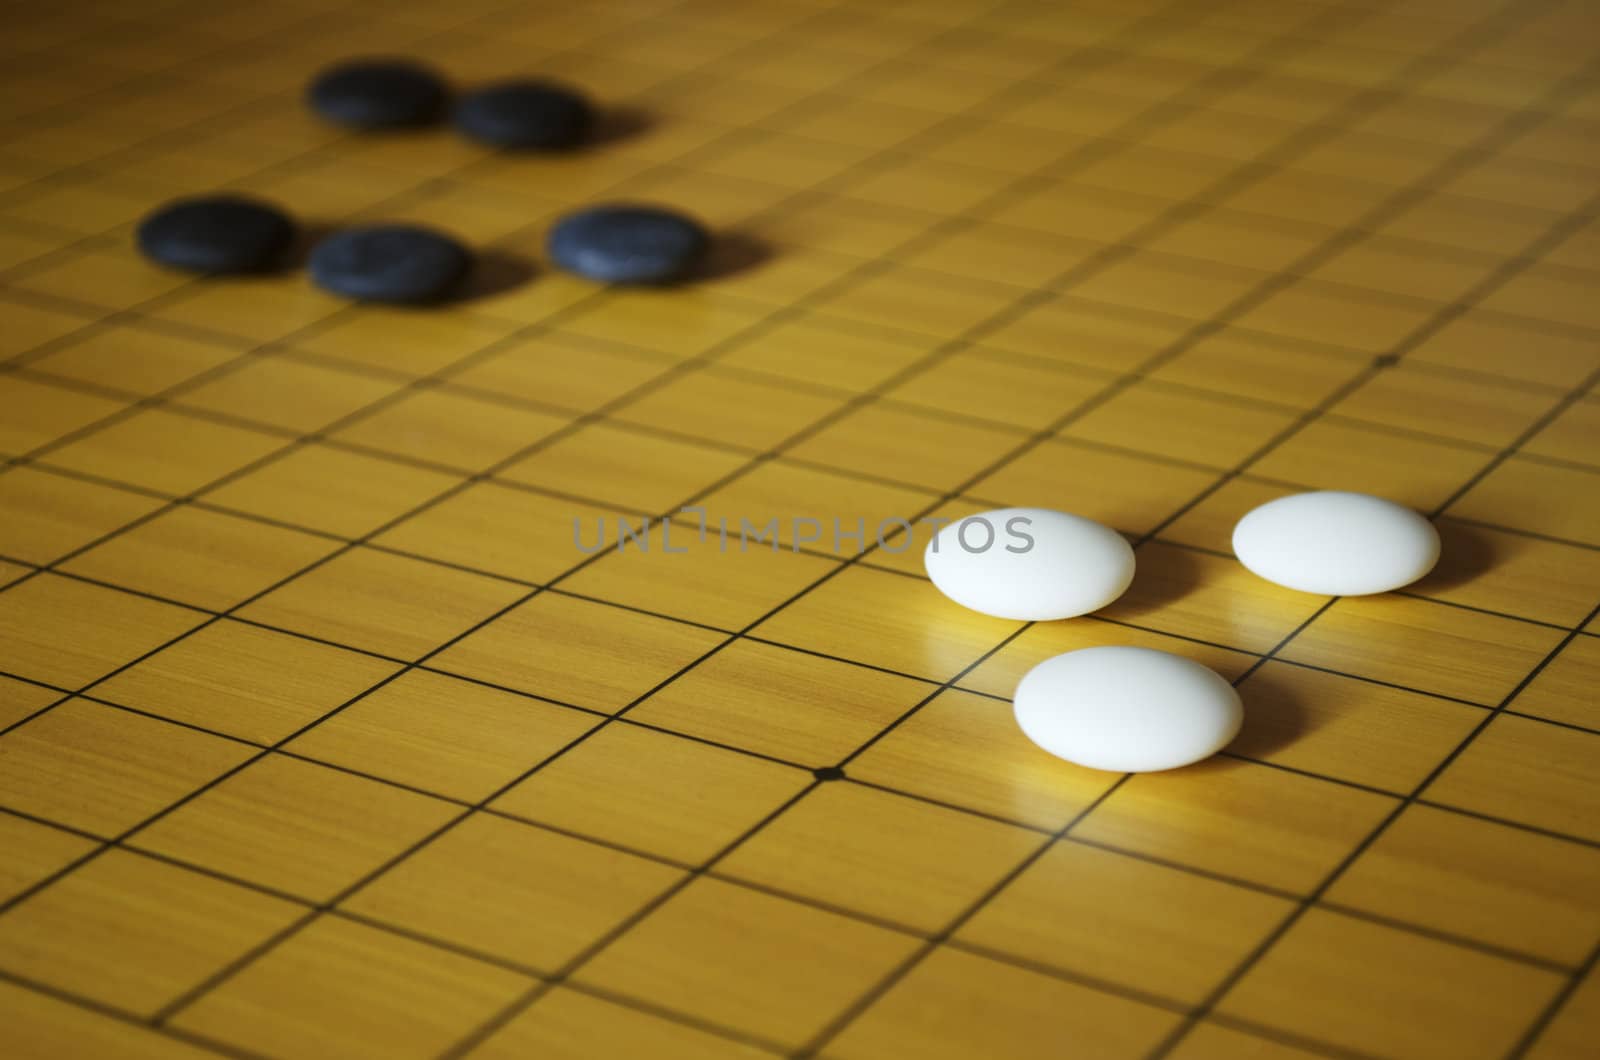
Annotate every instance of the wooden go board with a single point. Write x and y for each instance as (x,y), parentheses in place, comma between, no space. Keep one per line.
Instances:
(320,738)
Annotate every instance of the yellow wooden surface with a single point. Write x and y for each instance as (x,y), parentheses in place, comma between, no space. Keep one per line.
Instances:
(320,736)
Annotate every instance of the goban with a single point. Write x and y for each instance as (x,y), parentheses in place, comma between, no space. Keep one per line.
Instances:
(331,726)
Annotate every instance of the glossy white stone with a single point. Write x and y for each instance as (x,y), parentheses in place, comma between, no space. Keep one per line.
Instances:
(1125,709)
(1033,564)
(1337,543)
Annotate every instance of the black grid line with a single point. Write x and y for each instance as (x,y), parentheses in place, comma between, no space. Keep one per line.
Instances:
(1557,1004)
(188,1037)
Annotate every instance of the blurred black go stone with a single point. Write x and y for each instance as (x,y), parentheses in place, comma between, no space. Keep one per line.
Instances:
(216,234)
(390,263)
(627,244)
(378,94)
(525,116)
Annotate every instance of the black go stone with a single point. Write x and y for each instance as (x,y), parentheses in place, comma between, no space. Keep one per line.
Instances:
(378,94)
(216,234)
(628,244)
(389,263)
(525,115)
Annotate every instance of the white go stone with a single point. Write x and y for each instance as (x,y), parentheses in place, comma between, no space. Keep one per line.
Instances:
(1125,709)
(1032,564)
(1336,543)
